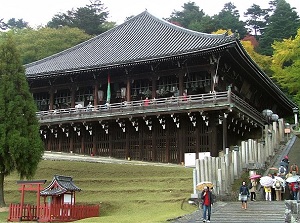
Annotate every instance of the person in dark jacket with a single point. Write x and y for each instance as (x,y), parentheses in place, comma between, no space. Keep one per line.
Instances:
(207,201)
(244,193)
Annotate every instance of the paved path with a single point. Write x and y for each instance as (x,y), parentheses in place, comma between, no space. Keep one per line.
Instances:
(231,212)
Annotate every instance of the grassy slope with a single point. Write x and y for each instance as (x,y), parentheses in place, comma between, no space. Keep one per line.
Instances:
(126,193)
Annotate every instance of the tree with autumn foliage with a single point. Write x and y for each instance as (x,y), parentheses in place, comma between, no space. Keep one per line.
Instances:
(286,65)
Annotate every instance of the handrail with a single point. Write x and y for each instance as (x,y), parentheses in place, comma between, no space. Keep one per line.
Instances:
(178,104)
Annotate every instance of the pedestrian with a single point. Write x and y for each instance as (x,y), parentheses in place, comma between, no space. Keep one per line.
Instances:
(295,189)
(207,201)
(278,188)
(252,189)
(294,169)
(244,193)
(268,193)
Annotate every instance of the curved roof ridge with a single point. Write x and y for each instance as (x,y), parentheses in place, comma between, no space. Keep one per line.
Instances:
(187,30)
(140,38)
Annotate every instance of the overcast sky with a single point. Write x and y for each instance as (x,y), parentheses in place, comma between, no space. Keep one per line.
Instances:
(39,12)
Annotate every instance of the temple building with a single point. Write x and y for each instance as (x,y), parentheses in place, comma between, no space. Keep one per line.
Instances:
(150,90)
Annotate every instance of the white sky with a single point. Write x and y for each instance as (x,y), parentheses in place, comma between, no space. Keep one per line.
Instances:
(39,12)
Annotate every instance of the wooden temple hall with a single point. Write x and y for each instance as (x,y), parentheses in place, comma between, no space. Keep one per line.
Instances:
(153,91)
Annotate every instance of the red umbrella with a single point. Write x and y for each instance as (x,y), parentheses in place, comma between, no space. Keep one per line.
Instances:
(255,176)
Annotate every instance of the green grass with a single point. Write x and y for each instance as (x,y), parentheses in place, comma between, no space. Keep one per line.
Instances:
(126,193)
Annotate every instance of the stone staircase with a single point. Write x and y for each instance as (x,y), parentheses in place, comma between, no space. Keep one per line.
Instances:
(259,211)
(232,212)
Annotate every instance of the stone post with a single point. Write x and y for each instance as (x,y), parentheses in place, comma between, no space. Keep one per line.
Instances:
(202,170)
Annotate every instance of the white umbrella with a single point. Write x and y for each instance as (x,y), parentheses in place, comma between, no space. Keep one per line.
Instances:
(279,178)
(292,179)
(266,181)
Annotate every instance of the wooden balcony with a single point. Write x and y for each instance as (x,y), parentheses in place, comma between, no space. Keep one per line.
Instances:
(192,103)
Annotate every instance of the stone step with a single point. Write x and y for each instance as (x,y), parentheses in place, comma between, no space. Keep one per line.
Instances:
(232,212)
(258,211)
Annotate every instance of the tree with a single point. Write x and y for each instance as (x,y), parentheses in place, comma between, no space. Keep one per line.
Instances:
(21,147)
(256,18)
(3,25)
(18,24)
(229,18)
(263,61)
(282,24)
(90,18)
(191,17)
(40,43)
(286,65)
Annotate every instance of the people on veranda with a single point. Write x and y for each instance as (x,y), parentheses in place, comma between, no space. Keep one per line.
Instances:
(207,201)
(244,193)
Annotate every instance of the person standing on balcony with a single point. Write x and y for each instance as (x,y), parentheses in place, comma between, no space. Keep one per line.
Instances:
(146,101)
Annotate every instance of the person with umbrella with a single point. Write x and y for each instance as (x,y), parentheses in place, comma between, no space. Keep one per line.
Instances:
(252,189)
(244,192)
(207,201)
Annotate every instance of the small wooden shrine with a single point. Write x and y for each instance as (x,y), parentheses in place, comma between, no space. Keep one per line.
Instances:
(58,203)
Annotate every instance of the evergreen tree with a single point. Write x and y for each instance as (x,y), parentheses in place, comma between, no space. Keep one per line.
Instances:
(21,147)
(91,18)
(229,18)
(256,19)
(190,14)
(282,24)
(18,24)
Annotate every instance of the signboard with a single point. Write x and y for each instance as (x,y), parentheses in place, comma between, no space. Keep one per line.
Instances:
(190,159)
(287,131)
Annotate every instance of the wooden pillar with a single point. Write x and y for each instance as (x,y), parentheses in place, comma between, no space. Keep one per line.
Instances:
(180,143)
(154,86)
(73,95)
(128,90)
(94,141)
(197,150)
(154,144)
(181,84)
(167,159)
(49,142)
(225,143)
(71,135)
(213,138)
(82,134)
(51,99)
(59,137)
(110,141)
(141,144)
(127,144)
(96,88)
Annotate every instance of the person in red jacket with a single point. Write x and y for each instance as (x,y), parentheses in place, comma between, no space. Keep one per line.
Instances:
(294,187)
(207,201)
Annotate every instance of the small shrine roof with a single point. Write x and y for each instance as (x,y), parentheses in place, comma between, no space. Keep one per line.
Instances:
(60,185)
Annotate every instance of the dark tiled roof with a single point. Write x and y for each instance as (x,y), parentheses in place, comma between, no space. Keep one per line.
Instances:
(142,38)
(60,185)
